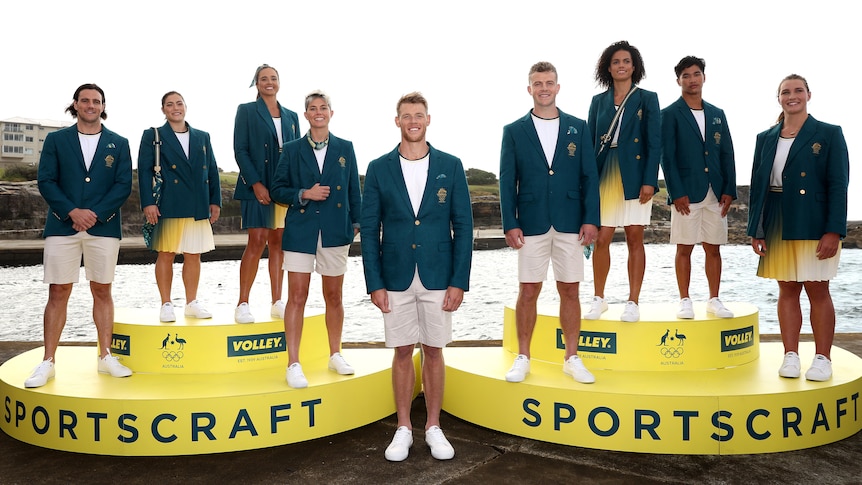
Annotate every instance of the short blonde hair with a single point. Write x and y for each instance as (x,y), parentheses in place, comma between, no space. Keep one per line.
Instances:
(317,94)
(411,98)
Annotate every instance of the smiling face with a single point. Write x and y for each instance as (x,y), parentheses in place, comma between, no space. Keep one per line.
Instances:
(413,119)
(691,81)
(621,67)
(793,96)
(174,108)
(543,88)
(89,106)
(267,82)
(318,113)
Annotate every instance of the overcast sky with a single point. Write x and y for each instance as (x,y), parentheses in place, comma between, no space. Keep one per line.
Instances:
(470,59)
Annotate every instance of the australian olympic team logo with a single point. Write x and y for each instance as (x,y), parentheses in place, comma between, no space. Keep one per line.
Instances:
(671,346)
(172,347)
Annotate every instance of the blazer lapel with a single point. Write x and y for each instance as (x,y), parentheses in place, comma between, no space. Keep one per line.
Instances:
(692,122)
(394,165)
(171,143)
(769,148)
(286,129)
(263,112)
(530,132)
(309,159)
(631,109)
(802,141)
(430,192)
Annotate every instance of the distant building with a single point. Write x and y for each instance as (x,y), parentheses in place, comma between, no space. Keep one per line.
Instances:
(23,139)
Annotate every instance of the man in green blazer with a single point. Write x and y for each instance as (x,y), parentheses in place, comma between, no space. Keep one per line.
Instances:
(318,179)
(549,198)
(700,172)
(85,176)
(417,246)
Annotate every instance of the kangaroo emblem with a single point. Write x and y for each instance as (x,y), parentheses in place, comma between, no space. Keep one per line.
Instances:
(664,338)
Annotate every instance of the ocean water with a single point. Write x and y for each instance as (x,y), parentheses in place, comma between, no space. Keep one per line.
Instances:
(493,285)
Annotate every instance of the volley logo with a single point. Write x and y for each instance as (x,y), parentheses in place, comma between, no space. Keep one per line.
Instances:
(121,344)
(598,342)
(267,343)
(739,338)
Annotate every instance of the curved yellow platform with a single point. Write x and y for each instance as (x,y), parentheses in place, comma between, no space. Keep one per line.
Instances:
(658,342)
(242,402)
(738,409)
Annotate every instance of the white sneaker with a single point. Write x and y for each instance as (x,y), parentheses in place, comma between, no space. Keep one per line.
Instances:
(575,368)
(686,309)
(400,446)
(440,446)
(520,369)
(631,313)
(41,374)
(791,366)
(597,307)
(242,314)
(820,370)
(166,314)
(194,309)
(339,365)
(715,307)
(277,310)
(111,365)
(295,377)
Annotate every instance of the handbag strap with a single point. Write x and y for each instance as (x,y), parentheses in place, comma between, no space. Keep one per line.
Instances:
(157,144)
(606,138)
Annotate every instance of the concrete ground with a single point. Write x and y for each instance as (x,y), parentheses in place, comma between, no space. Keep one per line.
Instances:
(482,456)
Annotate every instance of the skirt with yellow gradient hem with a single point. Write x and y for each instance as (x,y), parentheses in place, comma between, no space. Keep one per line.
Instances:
(183,235)
(258,216)
(616,211)
(791,260)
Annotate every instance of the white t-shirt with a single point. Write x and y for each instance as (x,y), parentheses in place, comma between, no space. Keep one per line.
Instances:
(548,130)
(415,176)
(184,141)
(89,143)
(278,134)
(616,136)
(781,153)
(320,155)
(700,117)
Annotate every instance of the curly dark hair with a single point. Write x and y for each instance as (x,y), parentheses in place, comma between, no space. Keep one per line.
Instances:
(603,76)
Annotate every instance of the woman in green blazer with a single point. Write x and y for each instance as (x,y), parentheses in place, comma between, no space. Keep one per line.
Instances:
(190,202)
(628,167)
(797,217)
(260,130)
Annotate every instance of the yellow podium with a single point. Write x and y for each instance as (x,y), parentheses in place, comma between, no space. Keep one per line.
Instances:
(711,389)
(200,386)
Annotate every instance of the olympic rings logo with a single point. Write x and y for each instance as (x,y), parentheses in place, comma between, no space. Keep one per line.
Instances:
(672,352)
(171,356)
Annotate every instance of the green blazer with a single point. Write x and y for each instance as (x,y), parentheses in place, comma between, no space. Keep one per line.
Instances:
(438,242)
(534,197)
(691,164)
(255,145)
(333,218)
(66,183)
(191,184)
(815,178)
(639,144)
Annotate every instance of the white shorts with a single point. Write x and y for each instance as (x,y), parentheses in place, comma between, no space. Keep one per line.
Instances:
(326,261)
(62,258)
(703,224)
(417,316)
(563,250)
